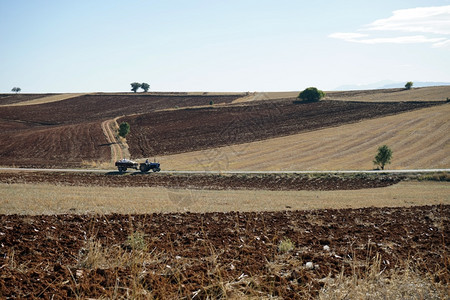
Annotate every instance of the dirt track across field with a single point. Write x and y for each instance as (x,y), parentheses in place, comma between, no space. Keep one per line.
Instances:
(68,133)
(171,132)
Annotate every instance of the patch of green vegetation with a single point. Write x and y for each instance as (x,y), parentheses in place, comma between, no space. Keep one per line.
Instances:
(444,176)
(286,245)
(136,241)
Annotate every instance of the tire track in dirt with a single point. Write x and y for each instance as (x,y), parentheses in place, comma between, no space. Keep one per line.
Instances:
(116,150)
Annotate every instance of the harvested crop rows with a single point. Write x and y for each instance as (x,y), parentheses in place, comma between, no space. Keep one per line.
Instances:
(170,132)
(204,256)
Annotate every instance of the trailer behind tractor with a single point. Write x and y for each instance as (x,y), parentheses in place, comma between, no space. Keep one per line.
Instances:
(124,164)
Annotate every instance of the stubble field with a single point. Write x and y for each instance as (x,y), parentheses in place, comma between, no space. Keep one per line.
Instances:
(166,236)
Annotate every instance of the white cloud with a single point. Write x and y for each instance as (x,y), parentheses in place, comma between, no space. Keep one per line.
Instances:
(361,38)
(348,36)
(445,43)
(426,20)
(420,19)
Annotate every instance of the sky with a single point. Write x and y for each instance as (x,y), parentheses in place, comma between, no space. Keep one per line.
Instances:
(223,46)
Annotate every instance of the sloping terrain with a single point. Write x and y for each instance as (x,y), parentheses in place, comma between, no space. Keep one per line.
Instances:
(53,146)
(68,132)
(177,131)
(218,255)
(89,108)
(64,133)
(418,138)
(435,93)
(8,99)
(47,99)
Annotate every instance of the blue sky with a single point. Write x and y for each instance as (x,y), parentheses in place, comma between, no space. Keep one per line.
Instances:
(89,46)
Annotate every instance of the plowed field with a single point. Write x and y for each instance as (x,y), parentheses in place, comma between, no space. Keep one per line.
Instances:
(214,182)
(90,108)
(68,133)
(177,131)
(53,146)
(6,99)
(214,255)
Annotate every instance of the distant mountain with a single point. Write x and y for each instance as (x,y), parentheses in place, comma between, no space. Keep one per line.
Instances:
(386,84)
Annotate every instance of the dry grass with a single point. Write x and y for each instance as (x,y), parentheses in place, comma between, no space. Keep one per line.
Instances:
(48,99)
(36,199)
(434,93)
(397,284)
(368,280)
(419,139)
(258,96)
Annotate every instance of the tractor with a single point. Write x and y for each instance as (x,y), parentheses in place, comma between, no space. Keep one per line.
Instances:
(124,164)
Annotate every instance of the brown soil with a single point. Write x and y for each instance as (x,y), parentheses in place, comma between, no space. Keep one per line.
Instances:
(170,132)
(275,182)
(68,132)
(6,99)
(203,255)
(53,146)
(89,108)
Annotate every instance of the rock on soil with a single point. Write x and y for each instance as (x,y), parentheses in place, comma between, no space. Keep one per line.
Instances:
(214,254)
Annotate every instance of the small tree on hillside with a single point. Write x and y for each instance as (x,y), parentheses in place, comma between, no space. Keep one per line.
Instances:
(408,85)
(16,89)
(145,86)
(124,129)
(135,86)
(383,156)
(311,94)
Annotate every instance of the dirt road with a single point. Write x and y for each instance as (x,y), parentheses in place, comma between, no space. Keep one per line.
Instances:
(116,150)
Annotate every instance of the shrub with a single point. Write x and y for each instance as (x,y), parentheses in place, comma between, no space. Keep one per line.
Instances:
(311,94)
(136,241)
(408,85)
(285,246)
(124,129)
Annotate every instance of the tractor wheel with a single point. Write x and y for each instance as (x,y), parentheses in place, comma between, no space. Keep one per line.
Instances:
(156,169)
(143,168)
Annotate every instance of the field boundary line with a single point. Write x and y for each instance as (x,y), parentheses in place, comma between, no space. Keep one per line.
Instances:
(48,99)
(218,172)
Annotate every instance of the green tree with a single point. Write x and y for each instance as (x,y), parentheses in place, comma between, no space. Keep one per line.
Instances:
(124,129)
(408,85)
(16,89)
(135,86)
(145,86)
(383,156)
(311,94)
